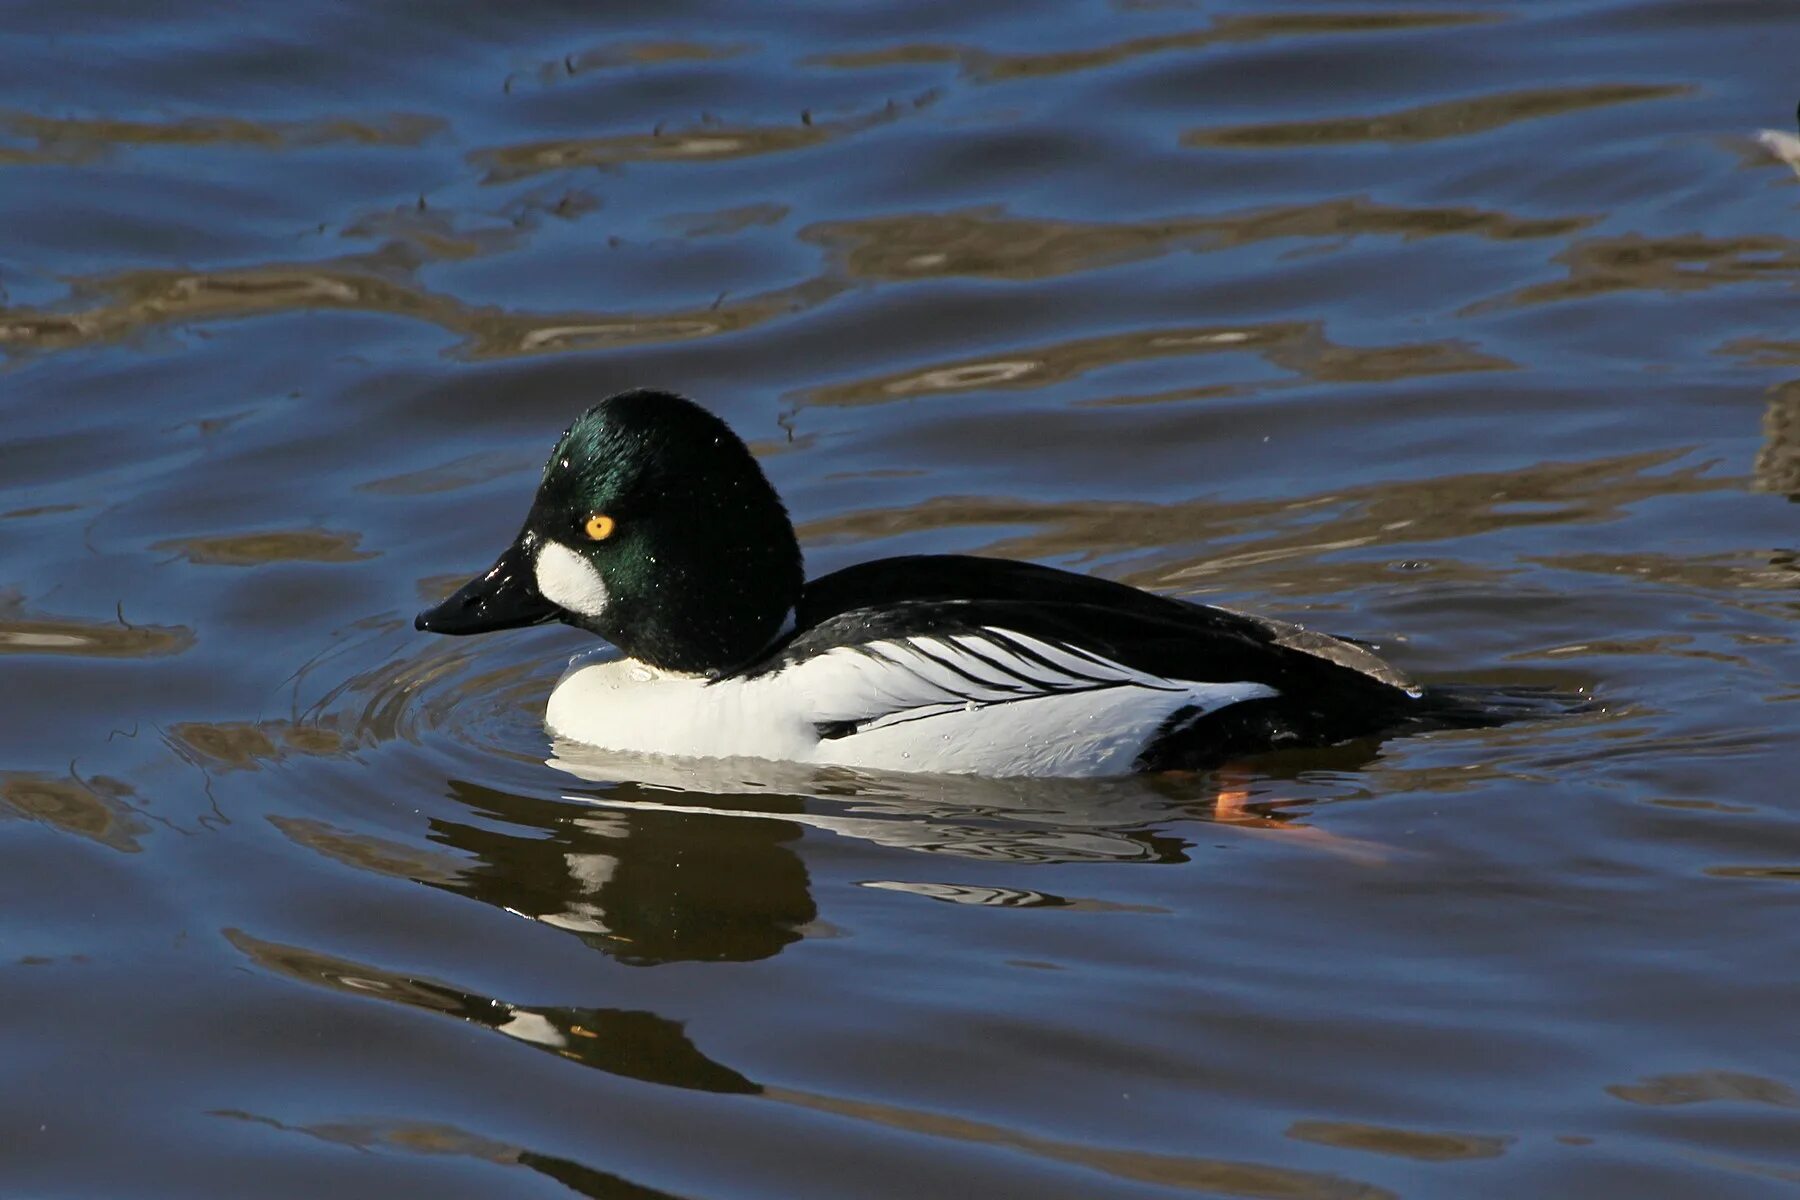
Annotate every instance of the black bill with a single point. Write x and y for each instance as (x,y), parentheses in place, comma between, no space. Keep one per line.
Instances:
(505,596)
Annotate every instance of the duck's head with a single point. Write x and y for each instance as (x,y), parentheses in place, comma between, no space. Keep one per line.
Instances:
(653,527)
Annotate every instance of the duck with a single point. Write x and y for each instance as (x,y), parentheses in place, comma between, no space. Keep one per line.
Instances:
(655,528)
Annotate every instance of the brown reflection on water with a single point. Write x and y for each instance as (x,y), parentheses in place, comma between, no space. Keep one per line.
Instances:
(64,140)
(1399,1143)
(1344,215)
(118,306)
(1779,874)
(93,808)
(1431,122)
(1699,1087)
(1673,645)
(381,856)
(25,633)
(436,1138)
(38,510)
(1634,262)
(993,66)
(977,242)
(1777,466)
(1299,346)
(496,334)
(245,746)
(629,1043)
(257,549)
(1443,508)
(123,305)
(707,142)
(431,235)
(989,243)
(1316,357)
(1763,352)
(1214,1176)
(1712,573)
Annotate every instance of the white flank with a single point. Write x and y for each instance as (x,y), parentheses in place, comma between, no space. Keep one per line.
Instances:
(569,580)
(993,703)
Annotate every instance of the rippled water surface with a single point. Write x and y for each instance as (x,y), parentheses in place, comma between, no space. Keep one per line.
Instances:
(1469,329)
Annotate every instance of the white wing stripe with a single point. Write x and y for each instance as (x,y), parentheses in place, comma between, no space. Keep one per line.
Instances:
(920,647)
(940,680)
(998,643)
(898,680)
(1022,662)
(1078,664)
(894,681)
(1031,683)
(1049,655)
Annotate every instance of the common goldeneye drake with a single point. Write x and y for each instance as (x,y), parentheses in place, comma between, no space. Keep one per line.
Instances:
(654,527)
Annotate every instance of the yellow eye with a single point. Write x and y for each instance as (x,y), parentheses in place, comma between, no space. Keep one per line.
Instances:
(599,527)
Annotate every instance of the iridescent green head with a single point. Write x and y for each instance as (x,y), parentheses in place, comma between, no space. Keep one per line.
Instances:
(654,527)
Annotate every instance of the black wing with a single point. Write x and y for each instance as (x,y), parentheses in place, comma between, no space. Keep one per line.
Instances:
(942,595)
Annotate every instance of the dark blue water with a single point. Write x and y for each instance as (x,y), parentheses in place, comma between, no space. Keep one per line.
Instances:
(1469,330)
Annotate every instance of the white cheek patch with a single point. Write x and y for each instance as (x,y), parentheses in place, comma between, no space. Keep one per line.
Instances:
(570,581)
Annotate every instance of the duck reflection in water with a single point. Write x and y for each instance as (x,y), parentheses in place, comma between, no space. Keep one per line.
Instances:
(651,886)
(671,867)
(647,874)
(993,819)
(677,861)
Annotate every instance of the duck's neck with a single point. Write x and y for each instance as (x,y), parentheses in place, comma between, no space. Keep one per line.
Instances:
(711,623)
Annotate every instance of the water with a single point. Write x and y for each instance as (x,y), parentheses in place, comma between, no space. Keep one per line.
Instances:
(1468,329)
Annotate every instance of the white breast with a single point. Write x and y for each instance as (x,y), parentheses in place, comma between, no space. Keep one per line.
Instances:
(626,705)
(989,703)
